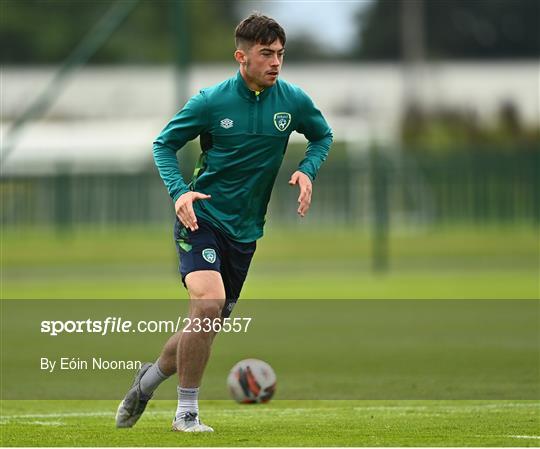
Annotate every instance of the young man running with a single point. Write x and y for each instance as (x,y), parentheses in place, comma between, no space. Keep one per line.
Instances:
(244,124)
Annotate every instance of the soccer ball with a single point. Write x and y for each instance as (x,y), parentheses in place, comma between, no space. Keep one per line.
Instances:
(252,381)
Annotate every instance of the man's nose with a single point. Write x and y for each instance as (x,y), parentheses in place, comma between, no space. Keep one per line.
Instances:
(275,61)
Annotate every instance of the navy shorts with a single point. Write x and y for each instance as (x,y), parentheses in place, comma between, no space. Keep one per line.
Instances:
(208,248)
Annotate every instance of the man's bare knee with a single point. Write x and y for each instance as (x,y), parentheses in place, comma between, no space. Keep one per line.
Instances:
(207,295)
(206,308)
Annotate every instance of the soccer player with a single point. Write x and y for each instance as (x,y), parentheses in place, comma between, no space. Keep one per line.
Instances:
(244,124)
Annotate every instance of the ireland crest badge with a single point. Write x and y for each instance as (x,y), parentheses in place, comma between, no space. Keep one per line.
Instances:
(209,254)
(282,120)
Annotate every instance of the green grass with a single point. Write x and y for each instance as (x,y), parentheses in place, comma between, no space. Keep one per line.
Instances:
(279,423)
(366,359)
(320,349)
(268,285)
(297,262)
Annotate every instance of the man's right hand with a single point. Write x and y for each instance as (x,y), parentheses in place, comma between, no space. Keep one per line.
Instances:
(184,208)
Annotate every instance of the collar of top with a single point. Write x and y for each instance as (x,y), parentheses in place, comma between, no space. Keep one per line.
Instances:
(246,92)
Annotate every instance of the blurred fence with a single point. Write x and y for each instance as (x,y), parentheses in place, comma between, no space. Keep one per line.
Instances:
(374,186)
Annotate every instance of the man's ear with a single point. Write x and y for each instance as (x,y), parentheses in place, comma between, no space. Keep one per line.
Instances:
(240,56)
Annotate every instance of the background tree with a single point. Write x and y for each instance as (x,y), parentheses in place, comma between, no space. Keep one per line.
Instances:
(46,31)
(454,29)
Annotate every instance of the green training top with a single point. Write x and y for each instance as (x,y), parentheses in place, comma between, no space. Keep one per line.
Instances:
(243,139)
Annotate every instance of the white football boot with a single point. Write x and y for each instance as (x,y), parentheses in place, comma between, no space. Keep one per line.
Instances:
(190,422)
(132,407)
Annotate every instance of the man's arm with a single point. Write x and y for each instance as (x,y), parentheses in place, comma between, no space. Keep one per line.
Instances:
(186,125)
(319,135)
(313,125)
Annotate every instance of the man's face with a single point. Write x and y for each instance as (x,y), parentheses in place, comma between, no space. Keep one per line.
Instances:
(261,64)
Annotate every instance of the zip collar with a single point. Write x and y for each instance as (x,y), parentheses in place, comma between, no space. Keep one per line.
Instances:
(246,92)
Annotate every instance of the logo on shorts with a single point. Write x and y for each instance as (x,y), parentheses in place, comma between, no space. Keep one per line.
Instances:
(209,254)
(226,123)
(282,120)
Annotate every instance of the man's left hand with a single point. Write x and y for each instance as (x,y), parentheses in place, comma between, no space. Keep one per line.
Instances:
(304,200)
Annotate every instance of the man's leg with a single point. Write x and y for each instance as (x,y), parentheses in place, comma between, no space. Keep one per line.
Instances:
(147,379)
(207,298)
(188,350)
(167,358)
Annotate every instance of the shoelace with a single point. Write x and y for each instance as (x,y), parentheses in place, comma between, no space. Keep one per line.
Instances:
(189,416)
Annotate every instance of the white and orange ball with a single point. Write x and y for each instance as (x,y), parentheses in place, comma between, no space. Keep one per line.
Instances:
(252,381)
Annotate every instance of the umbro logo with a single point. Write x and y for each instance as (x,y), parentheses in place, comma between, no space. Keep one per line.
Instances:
(226,123)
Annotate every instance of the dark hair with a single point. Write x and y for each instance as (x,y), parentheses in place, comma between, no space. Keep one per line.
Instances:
(258,29)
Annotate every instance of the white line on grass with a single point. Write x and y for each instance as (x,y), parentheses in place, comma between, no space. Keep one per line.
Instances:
(525,437)
(45,423)
(4,422)
(431,409)
(111,414)
(448,407)
(58,415)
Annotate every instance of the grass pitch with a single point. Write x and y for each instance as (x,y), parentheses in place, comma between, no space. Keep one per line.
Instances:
(279,423)
(302,262)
